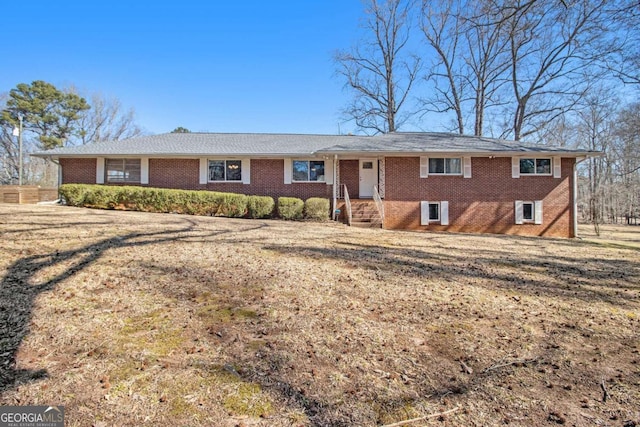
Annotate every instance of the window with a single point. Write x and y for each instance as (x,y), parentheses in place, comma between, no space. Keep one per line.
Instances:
(308,170)
(225,170)
(445,166)
(367,165)
(122,170)
(434,211)
(535,166)
(528,212)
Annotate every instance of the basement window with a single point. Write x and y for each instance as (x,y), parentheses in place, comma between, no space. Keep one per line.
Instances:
(434,211)
(528,212)
(122,170)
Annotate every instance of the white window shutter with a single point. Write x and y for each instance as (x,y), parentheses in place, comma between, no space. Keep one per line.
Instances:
(519,213)
(144,170)
(328,171)
(466,161)
(100,170)
(204,171)
(245,166)
(287,171)
(538,211)
(557,167)
(424,213)
(515,167)
(424,167)
(444,213)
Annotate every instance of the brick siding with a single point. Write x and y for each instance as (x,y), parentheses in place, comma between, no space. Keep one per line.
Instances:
(350,176)
(78,171)
(481,204)
(267,178)
(484,203)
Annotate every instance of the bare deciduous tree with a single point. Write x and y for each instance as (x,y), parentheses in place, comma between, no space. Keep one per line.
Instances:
(611,183)
(442,26)
(487,61)
(551,54)
(624,60)
(8,156)
(470,47)
(627,154)
(106,121)
(379,70)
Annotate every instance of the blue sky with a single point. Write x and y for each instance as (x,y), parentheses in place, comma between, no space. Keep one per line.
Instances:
(237,66)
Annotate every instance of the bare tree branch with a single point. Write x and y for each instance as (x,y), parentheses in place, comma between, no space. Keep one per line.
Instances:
(106,121)
(378,71)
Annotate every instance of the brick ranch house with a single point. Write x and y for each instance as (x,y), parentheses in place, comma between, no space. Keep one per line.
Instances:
(421,181)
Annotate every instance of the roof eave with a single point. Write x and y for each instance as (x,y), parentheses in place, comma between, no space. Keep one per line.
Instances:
(487,153)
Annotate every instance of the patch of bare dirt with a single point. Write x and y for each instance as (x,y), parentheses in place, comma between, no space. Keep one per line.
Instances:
(133,318)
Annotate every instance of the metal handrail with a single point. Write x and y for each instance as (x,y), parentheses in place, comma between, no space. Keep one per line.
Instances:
(379,204)
(347,204)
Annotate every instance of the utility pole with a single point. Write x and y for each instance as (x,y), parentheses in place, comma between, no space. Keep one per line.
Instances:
(20,151)
(17,131)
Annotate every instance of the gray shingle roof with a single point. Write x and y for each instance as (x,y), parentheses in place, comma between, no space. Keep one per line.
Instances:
(433,142)
(257,144)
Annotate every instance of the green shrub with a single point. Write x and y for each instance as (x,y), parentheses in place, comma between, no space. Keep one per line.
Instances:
(316,209)
(233,205)
(147,199)
(74,194)
(129,197)
(260,206)
(290,208)
(102,197)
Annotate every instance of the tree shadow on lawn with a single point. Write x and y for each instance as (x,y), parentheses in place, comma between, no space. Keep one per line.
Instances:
(583,278)
(20,286)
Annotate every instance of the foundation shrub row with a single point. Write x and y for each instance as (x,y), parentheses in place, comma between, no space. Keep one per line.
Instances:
(193,202)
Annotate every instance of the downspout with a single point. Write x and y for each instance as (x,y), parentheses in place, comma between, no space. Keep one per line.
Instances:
(335,188)
(575,196)
(59,171)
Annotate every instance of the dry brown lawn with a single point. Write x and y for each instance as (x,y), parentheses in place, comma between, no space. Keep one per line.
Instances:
(134,319)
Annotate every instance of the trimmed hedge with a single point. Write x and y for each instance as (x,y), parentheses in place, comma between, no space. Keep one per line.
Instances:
(192,202)
(161,200)
(74,194)
(317,209)
(260,206)
(232,205)
(290,208)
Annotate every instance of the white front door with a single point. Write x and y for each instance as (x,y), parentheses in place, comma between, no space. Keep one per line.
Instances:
(368,177)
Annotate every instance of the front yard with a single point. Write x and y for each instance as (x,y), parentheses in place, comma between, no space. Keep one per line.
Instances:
(130,318)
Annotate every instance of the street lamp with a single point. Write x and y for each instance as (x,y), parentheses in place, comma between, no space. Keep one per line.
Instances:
(18,132)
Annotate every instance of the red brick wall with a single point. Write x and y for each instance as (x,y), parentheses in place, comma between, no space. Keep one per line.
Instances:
(78,171)
(350,175)
(174,173)
(267,178)
(481,204)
